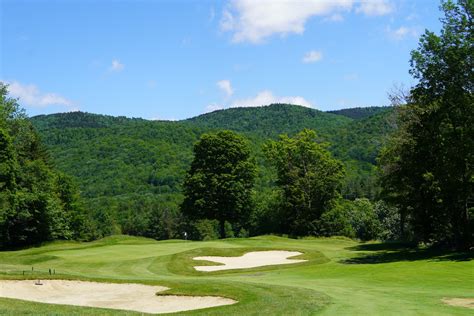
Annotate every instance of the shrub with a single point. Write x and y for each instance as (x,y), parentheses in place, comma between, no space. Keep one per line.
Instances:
(243,233)
(228,230)
(207,229)
(389,218)
(337,221)
(364,220)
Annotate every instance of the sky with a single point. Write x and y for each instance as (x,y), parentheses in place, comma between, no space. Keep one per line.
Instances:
(178,59)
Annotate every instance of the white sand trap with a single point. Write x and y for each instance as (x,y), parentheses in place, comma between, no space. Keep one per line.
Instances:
(250,260)
(134,297)
(462,302)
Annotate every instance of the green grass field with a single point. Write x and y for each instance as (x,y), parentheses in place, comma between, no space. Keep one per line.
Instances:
(341,277)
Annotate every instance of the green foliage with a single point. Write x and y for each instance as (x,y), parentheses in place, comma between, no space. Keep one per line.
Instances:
(8,163)
(360,113)
(206,229)
(228,230)
(427,167)
(149,215)
(134,161)
(268,216)
(337,221)
(308,177)
(36,202)
(365,221)
(389,218)
(361,219)
(220,181)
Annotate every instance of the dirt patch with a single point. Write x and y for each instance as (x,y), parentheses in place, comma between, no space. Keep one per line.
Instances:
(250,260)
(461,302)
(127,296)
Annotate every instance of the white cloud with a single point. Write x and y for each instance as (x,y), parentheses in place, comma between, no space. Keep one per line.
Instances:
(226,87)
(374,7)
(253,21)
(266,97)
(32,96)
(213,107)
(312,56)
(402,32)
(116,66)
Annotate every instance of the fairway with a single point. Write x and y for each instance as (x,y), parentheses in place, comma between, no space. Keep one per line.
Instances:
(338,276)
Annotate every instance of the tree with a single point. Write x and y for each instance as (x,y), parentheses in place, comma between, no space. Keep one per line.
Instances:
(8,163)
(427,169)
(36,202)
(308,177)
(219,184)
(8,169)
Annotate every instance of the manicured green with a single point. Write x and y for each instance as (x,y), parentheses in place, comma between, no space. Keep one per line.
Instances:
(342,277)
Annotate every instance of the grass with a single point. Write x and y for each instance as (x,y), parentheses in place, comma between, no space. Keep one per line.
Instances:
(341,276)
(183,262)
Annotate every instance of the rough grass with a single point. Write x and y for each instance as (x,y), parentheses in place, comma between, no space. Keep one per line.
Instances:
(342,277)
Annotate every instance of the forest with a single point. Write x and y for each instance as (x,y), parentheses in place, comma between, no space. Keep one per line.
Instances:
(402,172)
(137,166)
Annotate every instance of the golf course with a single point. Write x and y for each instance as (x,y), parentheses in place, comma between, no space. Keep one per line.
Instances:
(338,276)
(237,157)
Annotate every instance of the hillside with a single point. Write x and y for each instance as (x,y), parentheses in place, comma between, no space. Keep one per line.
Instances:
(271,121)
(122,163)
(360,113)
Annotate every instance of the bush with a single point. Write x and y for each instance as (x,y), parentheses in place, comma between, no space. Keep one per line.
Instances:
(353,219)
(268,216)
(228,230)
(207,229)
(389,218)
(243,233)
(364,220)
(337,221)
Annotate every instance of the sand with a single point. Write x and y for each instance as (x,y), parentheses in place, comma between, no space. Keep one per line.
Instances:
(250,260)
(462,302)
(134,297)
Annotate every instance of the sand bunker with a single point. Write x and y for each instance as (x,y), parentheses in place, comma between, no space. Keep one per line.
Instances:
(134,297)
(250,260)
(462,302)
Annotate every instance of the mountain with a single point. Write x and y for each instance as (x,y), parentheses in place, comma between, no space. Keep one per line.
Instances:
(271,121)
(119,162)
(360,113)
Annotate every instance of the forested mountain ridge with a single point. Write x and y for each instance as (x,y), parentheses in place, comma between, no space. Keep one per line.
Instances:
(271,121)
(119,162)
(360,113)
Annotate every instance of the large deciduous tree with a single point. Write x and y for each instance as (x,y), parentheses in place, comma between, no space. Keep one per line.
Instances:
(309,178)
(427,169)
(36,202)
(219,184)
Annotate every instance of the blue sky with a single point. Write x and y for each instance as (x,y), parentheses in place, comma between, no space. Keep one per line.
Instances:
(178,59)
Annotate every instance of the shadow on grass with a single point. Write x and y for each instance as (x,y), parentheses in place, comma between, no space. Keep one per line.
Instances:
(395,252)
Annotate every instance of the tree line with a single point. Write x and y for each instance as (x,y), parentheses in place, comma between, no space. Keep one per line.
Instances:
(426,169)
(37,203)
(423,191)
